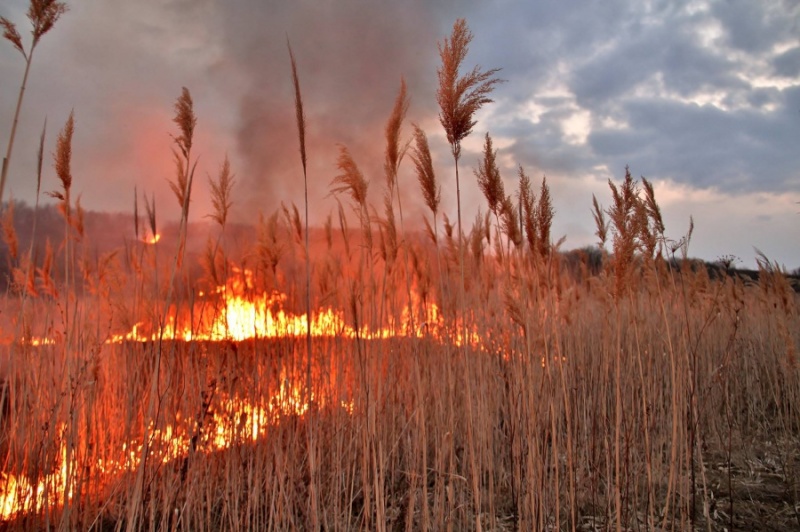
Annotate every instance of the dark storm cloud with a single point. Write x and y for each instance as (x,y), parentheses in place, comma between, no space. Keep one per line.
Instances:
(688,84)
(754,27)
(788,63)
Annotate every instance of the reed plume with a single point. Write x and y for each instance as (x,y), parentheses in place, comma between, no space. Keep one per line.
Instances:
(186,121)
(509,219)
(350,180)
(646,239)
(292,219)
(394,126)
(78,219)
(221,193)
(136,213)
(11,34)
(529,219)
(423,163)
(299,113)
(150,211)
(476,238)
(600,222)
(329,231)
(459,98)
(624,227)
(489,180)
(62,165)
(270,245)
(389,231)
(43,14)
(544,218)
(653,209)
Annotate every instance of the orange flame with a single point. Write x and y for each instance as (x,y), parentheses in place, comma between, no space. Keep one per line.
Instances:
(234,421)
(239,314)
(244,315)
(152,239)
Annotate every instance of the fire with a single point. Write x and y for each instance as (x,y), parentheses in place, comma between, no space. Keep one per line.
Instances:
(244,314)
(234,421)
(152,239)
(233,311)
(19,495)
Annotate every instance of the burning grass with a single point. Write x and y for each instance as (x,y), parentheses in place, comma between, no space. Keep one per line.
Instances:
(435,382)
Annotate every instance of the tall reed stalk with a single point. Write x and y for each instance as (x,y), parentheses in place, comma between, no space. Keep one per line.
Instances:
(181,187)
(43,14)
(301,136)
(459,98)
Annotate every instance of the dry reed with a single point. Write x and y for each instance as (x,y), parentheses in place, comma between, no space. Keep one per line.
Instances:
(42,14)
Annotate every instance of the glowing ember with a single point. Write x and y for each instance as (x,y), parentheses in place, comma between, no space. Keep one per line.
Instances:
(152,239)
(19,495)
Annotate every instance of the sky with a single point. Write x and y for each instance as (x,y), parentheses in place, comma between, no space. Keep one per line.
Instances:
(700,97)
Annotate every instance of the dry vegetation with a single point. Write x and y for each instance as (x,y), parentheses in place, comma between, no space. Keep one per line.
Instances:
(506,389)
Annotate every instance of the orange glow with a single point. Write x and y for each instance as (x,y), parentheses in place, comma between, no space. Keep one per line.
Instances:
(152,239)
(233,311)
(236,311)
(19,495)
(243,315)
(234,421)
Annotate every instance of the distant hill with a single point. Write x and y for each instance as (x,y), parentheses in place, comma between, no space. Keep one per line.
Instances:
(106,232)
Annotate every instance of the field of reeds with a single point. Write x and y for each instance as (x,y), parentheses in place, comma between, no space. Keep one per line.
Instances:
(366,374)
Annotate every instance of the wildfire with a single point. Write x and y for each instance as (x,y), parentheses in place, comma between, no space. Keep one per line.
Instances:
(234,421)
(234,311)
(245,314)
(19,495)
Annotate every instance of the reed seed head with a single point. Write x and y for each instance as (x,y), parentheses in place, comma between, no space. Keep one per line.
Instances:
(423,163)
(298,107)
(43,15)
(394,150)
(489,180)
(63,157)
(350,180)
(529,219)
(186,121)
(221,193)
(459,98)
(11,34)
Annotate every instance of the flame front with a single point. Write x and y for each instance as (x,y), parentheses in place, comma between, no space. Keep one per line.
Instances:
(234,311)
(233,421)
(243,314)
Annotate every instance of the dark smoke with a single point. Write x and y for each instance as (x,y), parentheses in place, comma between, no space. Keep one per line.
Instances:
(351,56)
